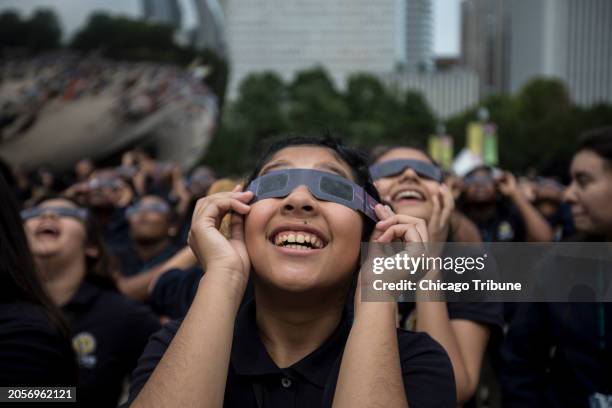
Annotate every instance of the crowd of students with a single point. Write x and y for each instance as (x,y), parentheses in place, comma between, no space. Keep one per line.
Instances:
(143,286)
(31,85)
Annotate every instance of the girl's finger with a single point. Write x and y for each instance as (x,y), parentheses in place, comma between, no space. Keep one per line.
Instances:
(381,212)
(237,227)
(436,210)
(380,227)
(421,228)
(213,212)
(390,212)
(403,232)
(399,219)
(244,196)
(411,234)
(448,203)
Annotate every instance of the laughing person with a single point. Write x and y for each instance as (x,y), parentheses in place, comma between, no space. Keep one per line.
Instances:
(409,180)
(298,239)
(109,330)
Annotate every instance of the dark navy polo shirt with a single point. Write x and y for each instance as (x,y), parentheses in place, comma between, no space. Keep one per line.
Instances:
(558,355)
(254,380)
(117,233)
(174,291)
(32,350)
(109,333)
(507,225)
(131,264)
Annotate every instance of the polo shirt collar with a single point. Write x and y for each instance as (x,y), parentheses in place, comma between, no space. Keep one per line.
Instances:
(249,356)
(84,295)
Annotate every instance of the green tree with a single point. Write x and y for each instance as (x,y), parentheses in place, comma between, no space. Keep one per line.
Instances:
(546,123)
(415,121)
(261,105)
(315,103)
(371,110)
(256,114)
(125,38)
(44,30)
(230,152)
(536,128)
(13,30)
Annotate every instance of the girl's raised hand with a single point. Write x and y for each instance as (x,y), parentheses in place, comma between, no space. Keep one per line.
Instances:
(216,252)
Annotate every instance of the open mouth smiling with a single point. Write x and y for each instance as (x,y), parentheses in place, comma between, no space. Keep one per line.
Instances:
(409,195)
(47,230)
(301,238)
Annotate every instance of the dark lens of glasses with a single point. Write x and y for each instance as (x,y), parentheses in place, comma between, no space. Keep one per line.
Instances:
(478,179)
(395,167)
(273,182)
(78,213)
(336,188)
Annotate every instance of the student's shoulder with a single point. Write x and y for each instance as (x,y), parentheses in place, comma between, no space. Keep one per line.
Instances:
(27,331)
(33,350)
(120,308)
(25,316)
(428,373)
(490,314)
(117,302)
(163,337)
(418,344)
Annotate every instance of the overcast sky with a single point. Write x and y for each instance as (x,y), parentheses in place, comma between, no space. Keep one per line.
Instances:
(74,12)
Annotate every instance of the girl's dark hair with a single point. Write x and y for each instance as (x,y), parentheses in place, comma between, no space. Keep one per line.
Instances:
(18,278)
(599,141)
(99,267)
(355,159)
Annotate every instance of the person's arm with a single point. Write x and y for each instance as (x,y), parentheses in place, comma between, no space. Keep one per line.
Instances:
(465,342)
(174,292)
(139,286)
(536,226)
(463,229)
(192,372)
(183,259)
(180,191)
(370,371)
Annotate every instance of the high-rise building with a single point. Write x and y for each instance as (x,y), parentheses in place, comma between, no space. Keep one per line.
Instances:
(286,36)
(162,11)
(485,42)
(567,39)
(447,93)
(209,32)
(418,40)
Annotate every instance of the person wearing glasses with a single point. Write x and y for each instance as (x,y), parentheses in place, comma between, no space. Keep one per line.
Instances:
(109,331)
(107,195)
(304,340)
(35,347)
(494,202)
(152,231)
(560,354)
(412,184)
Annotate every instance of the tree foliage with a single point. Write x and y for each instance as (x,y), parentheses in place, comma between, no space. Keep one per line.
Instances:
(537,128)
(40,32)
(126,38)
(366,114)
